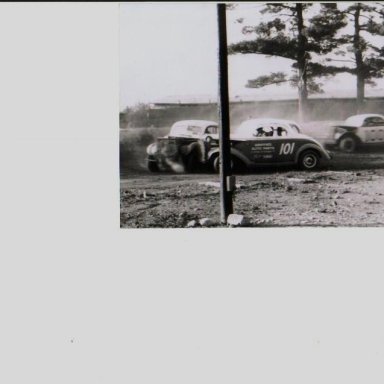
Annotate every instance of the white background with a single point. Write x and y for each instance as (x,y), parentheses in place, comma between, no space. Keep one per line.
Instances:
(83,301)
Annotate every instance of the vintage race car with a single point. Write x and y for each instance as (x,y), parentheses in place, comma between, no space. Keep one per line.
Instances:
(271,142)
(359,130)
(184,148)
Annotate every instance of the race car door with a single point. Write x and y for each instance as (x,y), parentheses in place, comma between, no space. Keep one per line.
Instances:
(258,145)
(287,143)
(373,129)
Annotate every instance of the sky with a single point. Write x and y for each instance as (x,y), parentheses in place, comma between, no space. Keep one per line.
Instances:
(169,51)
(166,49)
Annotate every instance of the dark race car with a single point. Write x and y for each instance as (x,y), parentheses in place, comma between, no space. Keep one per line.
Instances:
(271,142)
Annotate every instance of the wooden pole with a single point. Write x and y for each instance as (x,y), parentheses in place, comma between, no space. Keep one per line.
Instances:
(226,205)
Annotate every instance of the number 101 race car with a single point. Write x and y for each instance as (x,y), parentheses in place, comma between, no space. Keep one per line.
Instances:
(271,142)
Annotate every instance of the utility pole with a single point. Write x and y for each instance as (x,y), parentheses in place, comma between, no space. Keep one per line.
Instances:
(226,179)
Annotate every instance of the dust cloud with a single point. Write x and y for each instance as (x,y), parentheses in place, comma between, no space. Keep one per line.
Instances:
(321,115)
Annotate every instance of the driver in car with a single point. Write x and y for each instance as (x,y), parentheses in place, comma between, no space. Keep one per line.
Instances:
(280,131)
(263,132)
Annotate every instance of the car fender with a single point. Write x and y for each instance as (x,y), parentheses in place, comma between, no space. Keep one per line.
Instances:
(186,149)
(314,147)
(197,146)
(234,152)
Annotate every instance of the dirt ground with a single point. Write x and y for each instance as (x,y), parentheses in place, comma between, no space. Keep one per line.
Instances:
(350,192)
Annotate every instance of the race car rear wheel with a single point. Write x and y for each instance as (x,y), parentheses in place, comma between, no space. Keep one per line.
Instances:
(309,160)
(348,144)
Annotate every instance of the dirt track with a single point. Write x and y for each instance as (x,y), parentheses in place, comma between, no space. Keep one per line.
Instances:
(349,193)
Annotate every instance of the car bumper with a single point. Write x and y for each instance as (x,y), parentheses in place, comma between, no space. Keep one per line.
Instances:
(166,164)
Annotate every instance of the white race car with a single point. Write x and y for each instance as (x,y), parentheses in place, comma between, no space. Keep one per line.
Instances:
(184,148)
(359,130)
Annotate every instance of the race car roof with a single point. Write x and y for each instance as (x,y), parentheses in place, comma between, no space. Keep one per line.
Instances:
(358,120)
(190,128)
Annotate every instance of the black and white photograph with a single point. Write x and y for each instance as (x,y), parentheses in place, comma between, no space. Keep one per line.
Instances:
(251,114)
(191,192)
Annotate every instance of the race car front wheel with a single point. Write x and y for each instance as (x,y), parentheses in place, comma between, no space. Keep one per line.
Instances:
(348,144)
(309,160)
(216,164)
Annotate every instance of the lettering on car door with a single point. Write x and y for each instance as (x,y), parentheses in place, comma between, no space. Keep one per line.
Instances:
(263,148)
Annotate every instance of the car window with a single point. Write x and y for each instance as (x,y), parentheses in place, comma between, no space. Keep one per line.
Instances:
(294,126)
(273,130)
(281,131)
(257,129)
(263,131)
(373,121)
(212,130)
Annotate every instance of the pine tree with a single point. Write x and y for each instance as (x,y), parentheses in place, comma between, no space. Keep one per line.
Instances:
(295,36)
(367,58)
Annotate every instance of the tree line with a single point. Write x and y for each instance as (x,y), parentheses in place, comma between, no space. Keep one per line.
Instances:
(317,40)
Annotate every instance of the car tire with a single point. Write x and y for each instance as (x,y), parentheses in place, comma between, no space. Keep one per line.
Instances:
(309,160)
(348,144)
(153,167)
(216,164)
(191,162)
